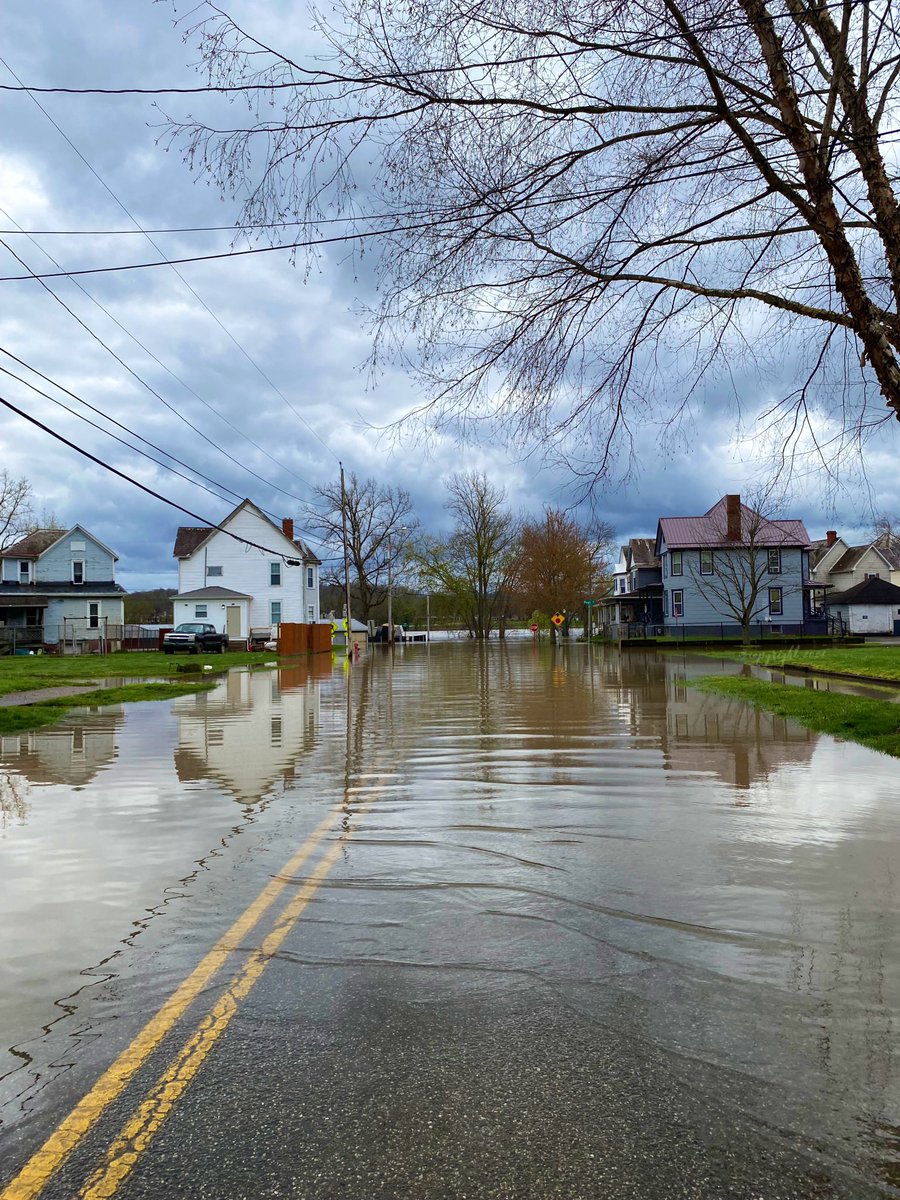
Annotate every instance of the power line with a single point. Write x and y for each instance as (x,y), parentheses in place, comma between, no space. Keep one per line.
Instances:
(148,386)
(87,420)
(112,420)
(143,487)
(171,263)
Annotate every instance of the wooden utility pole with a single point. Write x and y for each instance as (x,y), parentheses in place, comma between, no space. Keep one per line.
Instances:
(346,565)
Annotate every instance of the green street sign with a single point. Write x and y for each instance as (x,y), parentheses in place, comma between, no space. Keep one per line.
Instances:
(590,603)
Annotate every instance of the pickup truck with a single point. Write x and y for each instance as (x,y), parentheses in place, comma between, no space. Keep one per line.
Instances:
(194,636)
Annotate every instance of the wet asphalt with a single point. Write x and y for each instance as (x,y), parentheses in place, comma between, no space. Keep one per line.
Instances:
(595,936)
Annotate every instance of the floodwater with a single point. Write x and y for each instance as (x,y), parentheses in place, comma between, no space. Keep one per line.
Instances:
(649,910)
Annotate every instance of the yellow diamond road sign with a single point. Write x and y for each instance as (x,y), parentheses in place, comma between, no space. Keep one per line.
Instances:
(557,618)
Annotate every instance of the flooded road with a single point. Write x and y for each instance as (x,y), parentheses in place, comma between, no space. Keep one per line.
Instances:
(581,931)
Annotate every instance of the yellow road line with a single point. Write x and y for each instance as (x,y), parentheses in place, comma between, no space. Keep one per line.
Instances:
(44,1162)
(139,1131)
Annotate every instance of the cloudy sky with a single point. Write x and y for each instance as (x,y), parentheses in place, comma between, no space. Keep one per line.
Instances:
(243,348)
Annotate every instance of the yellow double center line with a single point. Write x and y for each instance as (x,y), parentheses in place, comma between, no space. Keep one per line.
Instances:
(136,1135)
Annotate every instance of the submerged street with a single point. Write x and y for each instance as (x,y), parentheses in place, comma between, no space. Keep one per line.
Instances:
(463,920)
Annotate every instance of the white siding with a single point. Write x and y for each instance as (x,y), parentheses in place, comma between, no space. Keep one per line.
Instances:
(246,569)
(868,618)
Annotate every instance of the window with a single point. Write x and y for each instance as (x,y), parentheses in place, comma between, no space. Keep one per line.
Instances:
(275,574)
(93,616)
(678,603)
(24,571)
(214,572)
(77,571)
(665,604)
(774,557)
(677,557)
(706,562)
(200,610)
(310,578)
(275,611)
(872,575)
(776,606)
(311,613)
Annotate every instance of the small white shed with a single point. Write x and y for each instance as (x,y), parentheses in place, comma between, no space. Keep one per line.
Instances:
(872,606)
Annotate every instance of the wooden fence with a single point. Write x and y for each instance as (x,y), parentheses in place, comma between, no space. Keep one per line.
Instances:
(295,639)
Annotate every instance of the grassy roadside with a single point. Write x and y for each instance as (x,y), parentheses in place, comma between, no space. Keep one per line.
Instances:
(44,670)
(18,718)
(872,723)
(872,662)
(156,677)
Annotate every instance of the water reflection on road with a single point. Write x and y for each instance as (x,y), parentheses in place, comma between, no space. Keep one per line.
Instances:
(695,874)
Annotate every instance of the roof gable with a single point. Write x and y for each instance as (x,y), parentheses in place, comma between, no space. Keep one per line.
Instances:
(710,530)
(870,591)
(34,544)
(191,538)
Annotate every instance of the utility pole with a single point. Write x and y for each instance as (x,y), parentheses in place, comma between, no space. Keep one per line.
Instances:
(346,565)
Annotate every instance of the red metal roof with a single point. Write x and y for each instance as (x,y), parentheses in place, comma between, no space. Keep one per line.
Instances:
(684,533)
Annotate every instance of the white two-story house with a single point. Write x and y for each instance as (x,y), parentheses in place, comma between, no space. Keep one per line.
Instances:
(245,574)
(58,588)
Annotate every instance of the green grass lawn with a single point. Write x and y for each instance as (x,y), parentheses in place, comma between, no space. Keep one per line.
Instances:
(878,662)
(17,718)
(873,723)
(20,674)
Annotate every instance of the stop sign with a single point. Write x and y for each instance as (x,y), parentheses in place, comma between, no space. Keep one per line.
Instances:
(534,628)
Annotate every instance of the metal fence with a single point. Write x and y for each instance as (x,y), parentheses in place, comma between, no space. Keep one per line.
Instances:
(77,636)
(724,631)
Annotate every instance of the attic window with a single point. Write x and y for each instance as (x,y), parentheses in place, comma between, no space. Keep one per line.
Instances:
(872,575)
(78,571)
(213,572)
(24,571)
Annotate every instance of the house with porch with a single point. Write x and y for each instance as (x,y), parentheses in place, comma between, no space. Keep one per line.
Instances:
(248,573)
(636,594)
(733,568)
(58,590)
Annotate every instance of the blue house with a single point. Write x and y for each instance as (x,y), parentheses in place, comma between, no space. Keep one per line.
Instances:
(733,568)
(58,588)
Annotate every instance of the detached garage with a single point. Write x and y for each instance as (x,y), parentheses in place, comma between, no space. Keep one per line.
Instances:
(872,606)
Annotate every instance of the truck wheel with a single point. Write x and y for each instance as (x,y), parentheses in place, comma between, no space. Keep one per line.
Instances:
(195,650)
(168,651)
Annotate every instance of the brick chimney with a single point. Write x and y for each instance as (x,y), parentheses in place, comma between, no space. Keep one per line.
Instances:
(733,518)
(830,537)
(287,528)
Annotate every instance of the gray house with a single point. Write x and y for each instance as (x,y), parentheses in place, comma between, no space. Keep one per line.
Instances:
(732,568)
(58,588)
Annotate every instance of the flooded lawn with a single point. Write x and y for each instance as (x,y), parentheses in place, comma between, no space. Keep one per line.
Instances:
(572,854)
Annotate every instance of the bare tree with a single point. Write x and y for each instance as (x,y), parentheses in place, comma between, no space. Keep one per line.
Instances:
(16,512)
(607,201)
(476,564)
(380,523)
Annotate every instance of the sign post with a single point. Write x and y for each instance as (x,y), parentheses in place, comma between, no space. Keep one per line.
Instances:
(589,605)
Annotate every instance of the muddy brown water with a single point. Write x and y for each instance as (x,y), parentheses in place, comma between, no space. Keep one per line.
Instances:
(711,880)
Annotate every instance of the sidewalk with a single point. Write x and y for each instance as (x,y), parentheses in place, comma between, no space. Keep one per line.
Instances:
(36,695)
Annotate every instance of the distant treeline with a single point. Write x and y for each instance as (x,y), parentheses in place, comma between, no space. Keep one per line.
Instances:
(151,608)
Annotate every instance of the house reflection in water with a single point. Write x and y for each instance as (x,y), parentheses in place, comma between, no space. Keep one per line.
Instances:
(702,732)
(729,738)
(248,734)
(71,752)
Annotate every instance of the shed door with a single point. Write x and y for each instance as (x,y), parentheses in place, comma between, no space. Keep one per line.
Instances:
(233,616)
(897,628)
